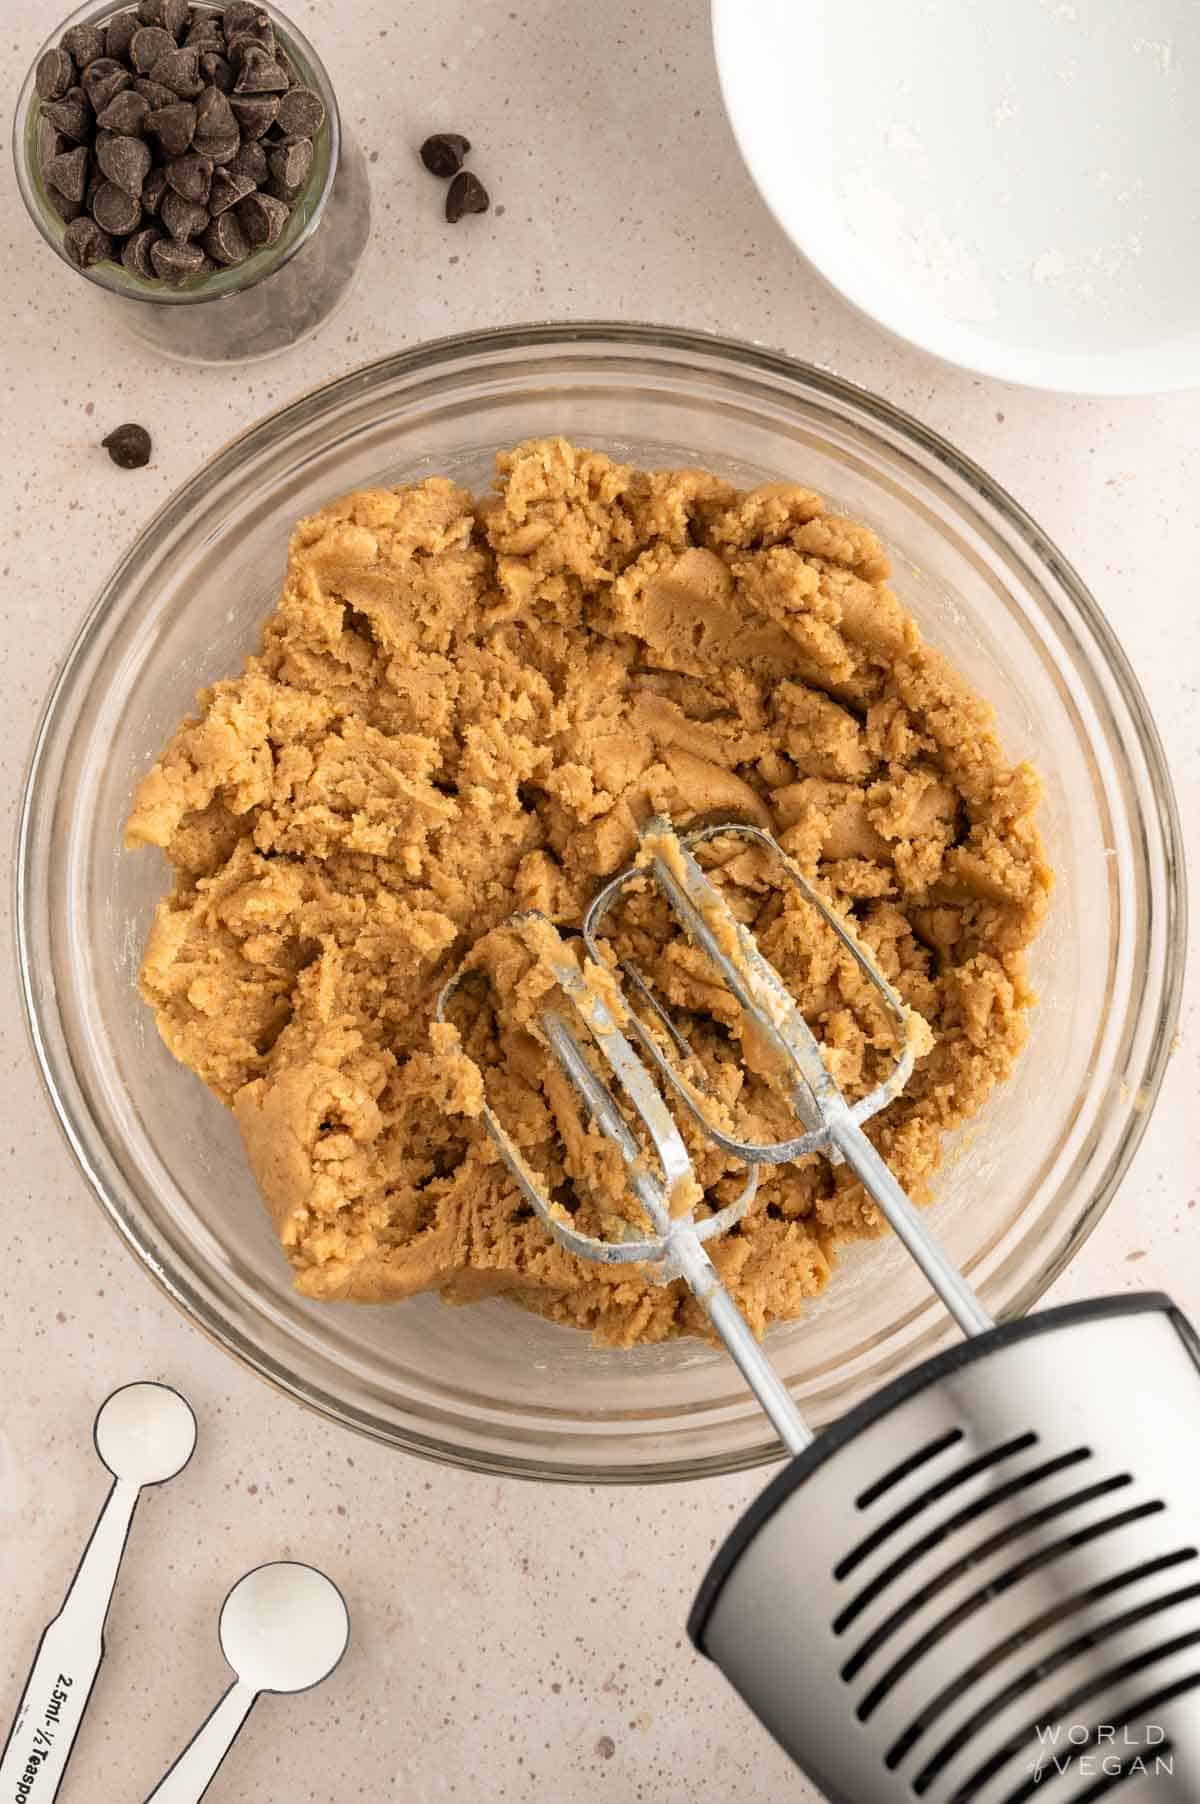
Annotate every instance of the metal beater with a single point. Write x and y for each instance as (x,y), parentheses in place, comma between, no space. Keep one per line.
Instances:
(982,1582)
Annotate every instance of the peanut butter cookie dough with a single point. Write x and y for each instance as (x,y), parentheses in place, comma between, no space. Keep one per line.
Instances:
(463,708)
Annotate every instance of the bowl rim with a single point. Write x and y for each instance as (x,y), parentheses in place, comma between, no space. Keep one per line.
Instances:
(744,357)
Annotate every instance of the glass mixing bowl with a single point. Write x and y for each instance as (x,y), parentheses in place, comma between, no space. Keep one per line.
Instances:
(490,1386)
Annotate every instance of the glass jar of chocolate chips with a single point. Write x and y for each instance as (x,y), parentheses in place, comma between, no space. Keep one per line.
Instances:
(190,161)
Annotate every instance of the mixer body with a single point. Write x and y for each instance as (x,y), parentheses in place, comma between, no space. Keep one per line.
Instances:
(982,1586)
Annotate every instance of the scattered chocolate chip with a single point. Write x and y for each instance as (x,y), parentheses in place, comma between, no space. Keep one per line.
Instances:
(84,43)
(150,44)
(85,243)
(69,172)
(150,90)
(55,74)
(254,112)
(259,73)
(466,194)
(183,218)
(225,240)
(136,253)
(263,218)
(179,70)
(191,176)
(125,161)
(228,188)
(114,209)
(301,114)
(444,153)
(118,36)
(72,116)
(214,119)
(173,126)
(251,163)
(291,166)
(104,78)
(51,144)
(217,71)
(129,447)
(174,259)
(66,209)
(125,113)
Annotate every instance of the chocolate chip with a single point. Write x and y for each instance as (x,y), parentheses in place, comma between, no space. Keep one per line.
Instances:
(444,153)
(150,44)
(179,70)
(239,42)
(173,126)
(182,218)
(191,176)
(214,119)
(85,43)
(228,188)
(157,96)
(114,209)
(72,116)
(126,113)
(172,15)
(251,163)
(129,447)
(104,78)
(205,33)
(50,144)
(301,114)
(466,194)
(55,74)
(259,73)
(153,189)
(125,161)
(243,15)
(262,217)
(136,253)
(254,112)
(225,240)
(119,35)
(174,259)
(85,243)
(217,71)
(66,209)
(69,172)
(291,166)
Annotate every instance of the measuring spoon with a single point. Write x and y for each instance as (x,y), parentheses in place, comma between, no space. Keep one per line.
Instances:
(284,1627)
(145,1434)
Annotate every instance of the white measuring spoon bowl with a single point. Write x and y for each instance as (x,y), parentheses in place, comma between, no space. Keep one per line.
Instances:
(145,1433)
(284,1627)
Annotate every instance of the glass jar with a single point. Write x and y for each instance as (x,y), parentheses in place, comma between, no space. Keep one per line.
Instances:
(280,293)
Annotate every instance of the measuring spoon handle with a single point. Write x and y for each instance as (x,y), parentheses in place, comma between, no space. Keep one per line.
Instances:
(66,1663)
(193,1772)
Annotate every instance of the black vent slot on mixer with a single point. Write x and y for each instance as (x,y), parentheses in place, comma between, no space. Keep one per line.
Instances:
(1065,1708)
(907,1467)
(1059,1612)
(971,1512)
(934,1494)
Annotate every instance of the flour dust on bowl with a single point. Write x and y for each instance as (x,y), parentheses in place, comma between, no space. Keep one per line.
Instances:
(491,1386)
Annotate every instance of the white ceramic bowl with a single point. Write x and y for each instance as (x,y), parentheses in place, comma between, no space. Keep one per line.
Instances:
(1011,186)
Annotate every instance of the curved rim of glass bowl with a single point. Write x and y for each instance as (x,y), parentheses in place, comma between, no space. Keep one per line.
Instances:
(597,338)
(114,278)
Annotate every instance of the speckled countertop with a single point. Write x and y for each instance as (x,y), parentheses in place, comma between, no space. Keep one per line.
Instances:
(510,1643)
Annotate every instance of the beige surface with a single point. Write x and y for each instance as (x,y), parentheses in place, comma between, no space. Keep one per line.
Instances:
(463,707)
(511,1644)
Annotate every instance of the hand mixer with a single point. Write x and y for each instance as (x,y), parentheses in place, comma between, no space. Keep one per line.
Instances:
(982,1584)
